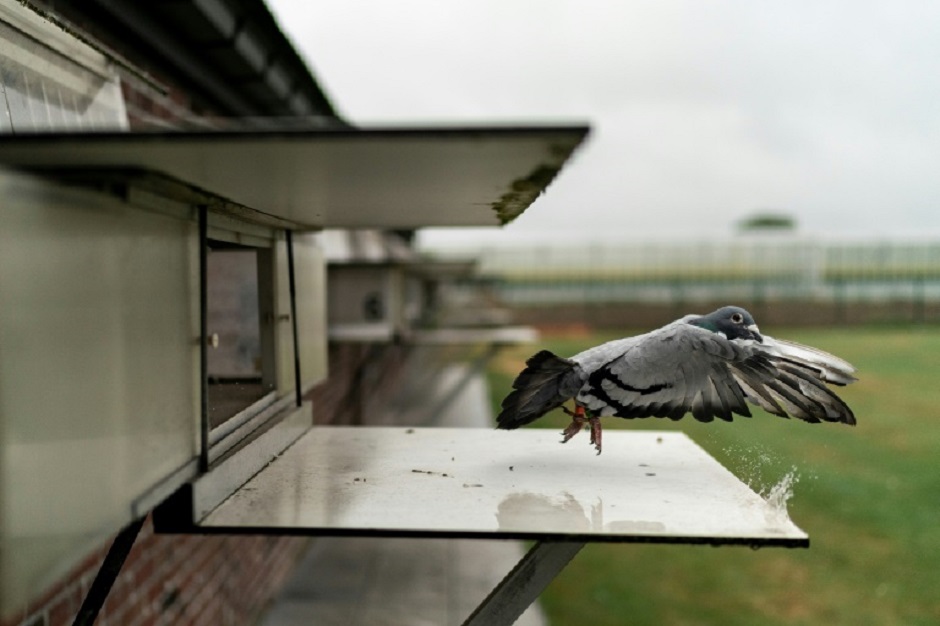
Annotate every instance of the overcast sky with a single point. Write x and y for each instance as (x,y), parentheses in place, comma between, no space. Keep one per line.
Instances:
(702,112)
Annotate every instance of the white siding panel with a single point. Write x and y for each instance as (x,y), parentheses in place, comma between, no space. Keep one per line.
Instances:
(98,369)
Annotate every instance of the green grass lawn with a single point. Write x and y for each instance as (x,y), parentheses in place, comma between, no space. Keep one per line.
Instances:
(869,497)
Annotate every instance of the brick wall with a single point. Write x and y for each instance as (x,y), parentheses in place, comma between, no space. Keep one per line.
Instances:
(362,377)
(176,579)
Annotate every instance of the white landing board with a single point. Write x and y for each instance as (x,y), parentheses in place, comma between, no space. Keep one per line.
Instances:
(479,482)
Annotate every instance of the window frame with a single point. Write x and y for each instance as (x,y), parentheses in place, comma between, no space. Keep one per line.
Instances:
(221,442)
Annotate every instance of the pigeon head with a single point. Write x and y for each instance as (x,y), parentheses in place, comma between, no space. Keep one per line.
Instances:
(731,321)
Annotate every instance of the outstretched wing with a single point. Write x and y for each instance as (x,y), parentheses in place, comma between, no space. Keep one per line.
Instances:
(682,368)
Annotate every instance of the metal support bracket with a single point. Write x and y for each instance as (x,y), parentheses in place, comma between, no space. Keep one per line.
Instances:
(108,573)
(519,589)
(203,338)
(292,286)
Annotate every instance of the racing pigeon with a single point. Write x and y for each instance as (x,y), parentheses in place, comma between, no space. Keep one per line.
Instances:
(706,365)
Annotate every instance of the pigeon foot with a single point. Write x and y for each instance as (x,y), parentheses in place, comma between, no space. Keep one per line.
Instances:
(595,432)
(578,419)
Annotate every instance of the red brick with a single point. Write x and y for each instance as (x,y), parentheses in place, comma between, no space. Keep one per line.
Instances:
(64,607)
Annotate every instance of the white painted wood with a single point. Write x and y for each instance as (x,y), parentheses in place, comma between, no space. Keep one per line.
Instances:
(386,178)
(310,269)
(478,482)
(503,335)
(216,485)
(98,370)
(366,332)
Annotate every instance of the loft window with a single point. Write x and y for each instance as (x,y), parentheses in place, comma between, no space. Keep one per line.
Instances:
(240,313)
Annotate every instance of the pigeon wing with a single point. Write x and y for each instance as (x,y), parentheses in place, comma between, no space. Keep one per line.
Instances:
(789,379)
(830,368)
(682,368)
(669,372)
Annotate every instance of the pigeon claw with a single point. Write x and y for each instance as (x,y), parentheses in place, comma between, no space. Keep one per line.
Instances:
(579,418)
(571,430)
(595,432)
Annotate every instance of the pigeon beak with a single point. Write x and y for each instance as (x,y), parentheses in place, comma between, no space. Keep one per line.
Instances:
(755,333)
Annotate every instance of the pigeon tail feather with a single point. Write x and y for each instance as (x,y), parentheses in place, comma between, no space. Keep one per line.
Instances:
(547,382)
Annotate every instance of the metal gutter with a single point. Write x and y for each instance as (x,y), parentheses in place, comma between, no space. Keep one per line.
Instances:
(231,53)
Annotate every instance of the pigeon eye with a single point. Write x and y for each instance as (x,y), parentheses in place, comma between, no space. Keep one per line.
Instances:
(737,318)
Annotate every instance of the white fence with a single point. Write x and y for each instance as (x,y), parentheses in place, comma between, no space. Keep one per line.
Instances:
(730,269)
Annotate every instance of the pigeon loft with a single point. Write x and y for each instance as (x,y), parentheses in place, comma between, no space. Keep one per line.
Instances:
(166,301)
(172,289)
(384,299)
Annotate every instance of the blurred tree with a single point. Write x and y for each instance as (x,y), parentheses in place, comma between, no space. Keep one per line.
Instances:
(767,221)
